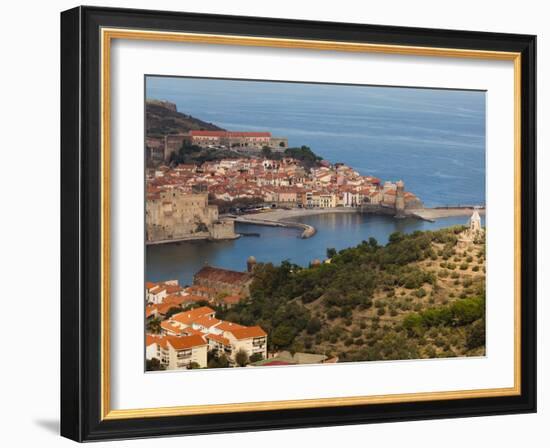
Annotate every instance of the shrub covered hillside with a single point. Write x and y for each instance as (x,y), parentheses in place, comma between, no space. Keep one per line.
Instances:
(419,296)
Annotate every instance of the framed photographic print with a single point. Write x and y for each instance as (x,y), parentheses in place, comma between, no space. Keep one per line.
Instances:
(276,224)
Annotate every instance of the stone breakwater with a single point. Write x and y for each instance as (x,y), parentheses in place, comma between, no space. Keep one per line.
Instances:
(307,230)
(279,218)
(432,214)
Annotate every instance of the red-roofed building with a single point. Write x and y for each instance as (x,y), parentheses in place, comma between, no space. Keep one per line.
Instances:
(225,337)
(177,352)
(253,340)
(230,301)
(156,292)
(224,280)
(229,139)
(188,317)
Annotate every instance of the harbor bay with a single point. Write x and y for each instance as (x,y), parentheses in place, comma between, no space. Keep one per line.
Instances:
(274,244)
(291,224)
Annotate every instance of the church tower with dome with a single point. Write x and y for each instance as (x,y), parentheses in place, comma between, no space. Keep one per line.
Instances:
(473,232)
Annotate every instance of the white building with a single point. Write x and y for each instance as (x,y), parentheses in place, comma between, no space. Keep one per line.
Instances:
(175,352)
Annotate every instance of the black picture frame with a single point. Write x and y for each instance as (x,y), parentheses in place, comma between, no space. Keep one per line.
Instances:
(81,224)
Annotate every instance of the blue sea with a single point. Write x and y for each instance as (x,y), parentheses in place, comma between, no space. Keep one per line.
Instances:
(434,140)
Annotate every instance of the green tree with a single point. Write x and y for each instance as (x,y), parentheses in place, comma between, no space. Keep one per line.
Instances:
(283,336)
(313,326)
(241,358)
(331,252)
(171,311)
(267,153)
(304,154)
(475,334)
(255,357)
(216,361)
(153,326)
(153,364)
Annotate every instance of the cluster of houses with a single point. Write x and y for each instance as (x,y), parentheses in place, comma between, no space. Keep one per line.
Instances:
(189,329)
(284,183)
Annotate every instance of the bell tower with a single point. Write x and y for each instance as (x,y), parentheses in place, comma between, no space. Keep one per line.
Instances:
(400,198)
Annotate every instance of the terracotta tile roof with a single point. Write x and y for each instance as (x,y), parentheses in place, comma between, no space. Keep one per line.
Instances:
(222,275)
(206,321)
(188,317)
(228,326)
(169,326)
(172,289)
(163,308)
(186,342)
(248,332)
(150,310)
(149,285)
(176,299)
(191,330)
(157,289)
(218,338)
(151,339)
(231,300)
(197,133)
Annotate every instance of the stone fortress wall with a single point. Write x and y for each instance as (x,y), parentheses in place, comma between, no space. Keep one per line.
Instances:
(176,215)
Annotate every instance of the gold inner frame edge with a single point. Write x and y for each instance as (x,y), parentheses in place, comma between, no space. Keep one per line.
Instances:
(107,35)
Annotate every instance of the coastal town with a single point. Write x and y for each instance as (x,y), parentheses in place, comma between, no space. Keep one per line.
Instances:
(201,182)
(181,198)
(179,208)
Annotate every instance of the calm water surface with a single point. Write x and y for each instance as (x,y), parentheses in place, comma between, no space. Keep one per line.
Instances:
(275,244)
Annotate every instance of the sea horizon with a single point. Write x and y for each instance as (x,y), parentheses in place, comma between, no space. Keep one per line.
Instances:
(425,137)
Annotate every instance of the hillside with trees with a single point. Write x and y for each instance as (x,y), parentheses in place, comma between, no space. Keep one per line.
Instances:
(419,296)
(162,118)
(194,154)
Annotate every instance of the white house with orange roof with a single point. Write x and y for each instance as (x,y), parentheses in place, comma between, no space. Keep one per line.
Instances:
(253,340)
(222,336)
(156,292)
(175,352)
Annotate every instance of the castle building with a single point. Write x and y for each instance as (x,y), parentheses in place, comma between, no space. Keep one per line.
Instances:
(238,140)
(173,214)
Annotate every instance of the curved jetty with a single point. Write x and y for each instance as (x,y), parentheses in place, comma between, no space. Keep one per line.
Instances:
(278,218)
(307,230)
